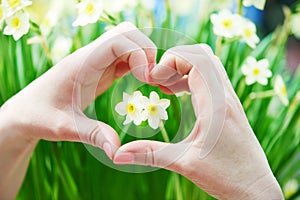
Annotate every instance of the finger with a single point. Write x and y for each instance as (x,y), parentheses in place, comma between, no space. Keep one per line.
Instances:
(92,71)
(180,60)
(208,89)
(151,153)
(139,38)
(206,82)
(180,86)
(98,134)
(171,65)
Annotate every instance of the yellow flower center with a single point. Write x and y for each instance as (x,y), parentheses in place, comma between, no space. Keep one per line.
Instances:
(1,13)
(289,192)
(15,23)
(152,109)
(14,3)
(46,22)
(248,33)
(227,23)
(256,71)
(89,9)
(283,90)
(130,108)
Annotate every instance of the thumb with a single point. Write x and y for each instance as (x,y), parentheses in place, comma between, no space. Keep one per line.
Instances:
(98,134)
(151,153)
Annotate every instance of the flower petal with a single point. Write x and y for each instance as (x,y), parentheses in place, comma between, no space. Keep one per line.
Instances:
(268,73)
(153,122)
(137,94)
(264,63)
(162,113)
(245,69)
(262,81)
(164,103)
(250,80)
(120,108)
(137,121)
(154,98)
(127,120)
(126,97)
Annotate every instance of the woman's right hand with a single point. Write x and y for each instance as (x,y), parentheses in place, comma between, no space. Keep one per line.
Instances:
(221,155)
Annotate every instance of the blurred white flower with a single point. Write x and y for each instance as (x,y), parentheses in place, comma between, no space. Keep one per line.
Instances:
(256,71)
(280,90)
(182,7)
(180,94)
(2,15)
(249,33)
(226,24)
(60,48)
(132,107)
(259,4)
(129,3)
(295,25)
(17,25)
(13,6)
(48,22)
(290,188)
(155,110)
(89,12)
(148,4)
(115,6)
(109,27)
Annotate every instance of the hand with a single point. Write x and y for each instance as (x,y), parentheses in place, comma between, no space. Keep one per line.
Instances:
(50,108)
(221,155)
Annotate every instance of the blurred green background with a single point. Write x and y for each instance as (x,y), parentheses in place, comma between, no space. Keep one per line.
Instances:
(64,170)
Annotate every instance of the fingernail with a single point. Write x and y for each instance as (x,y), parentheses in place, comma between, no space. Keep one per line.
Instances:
(107,149)
(124,158)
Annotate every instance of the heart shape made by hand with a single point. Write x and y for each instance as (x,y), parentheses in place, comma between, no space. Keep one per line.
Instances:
(191,68)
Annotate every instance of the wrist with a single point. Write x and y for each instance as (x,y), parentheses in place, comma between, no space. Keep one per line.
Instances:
(12,129)
(266,187)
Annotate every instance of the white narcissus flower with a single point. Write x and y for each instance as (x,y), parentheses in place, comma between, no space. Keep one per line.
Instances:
(248,33)
(148,4)
(17,25)
(259,4)
(132,107)
(60,48)
(48,22)
(226,24)
(295,25)
(116,6)
(290,188)
(89,12)
(256,71)
(280,90)
(13,6)
(182,7)
(155,110)
(2,15)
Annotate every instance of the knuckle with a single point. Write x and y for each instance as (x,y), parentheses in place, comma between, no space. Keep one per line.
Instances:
(63,128)
(94,135)
(206,48)
(127,25)
(230,107)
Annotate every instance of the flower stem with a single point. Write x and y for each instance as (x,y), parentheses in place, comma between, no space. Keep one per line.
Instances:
(177,187)
(261,95)
(178,190)
(218,46)
(258,95)
(164,133)
(240,7)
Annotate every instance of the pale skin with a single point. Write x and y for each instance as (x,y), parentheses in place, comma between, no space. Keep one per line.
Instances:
(50,108)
